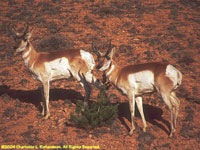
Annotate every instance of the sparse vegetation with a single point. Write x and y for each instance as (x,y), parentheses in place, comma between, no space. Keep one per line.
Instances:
(95,114)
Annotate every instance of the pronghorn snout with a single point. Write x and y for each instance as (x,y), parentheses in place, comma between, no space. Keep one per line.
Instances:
(15,47)
(98,67)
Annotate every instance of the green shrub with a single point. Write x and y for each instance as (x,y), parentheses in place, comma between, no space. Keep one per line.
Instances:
(95,114)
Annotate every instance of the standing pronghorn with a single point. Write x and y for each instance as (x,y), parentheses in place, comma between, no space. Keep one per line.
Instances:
(49,66)
(136,80)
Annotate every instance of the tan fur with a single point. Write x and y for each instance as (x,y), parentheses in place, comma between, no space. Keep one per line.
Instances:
(136,80)
(48,66)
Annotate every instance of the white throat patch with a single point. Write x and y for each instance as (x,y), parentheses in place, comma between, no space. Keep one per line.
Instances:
(22,48)
(111,69)
(27,53)
(105,66)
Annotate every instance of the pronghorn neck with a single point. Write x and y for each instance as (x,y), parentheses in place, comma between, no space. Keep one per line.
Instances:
(112,72)
(29,54)
(29,49)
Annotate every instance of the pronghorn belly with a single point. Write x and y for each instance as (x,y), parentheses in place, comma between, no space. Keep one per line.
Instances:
(58,68)
(142,82)
(122,89)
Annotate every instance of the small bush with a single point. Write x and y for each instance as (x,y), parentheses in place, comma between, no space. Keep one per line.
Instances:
(95,114)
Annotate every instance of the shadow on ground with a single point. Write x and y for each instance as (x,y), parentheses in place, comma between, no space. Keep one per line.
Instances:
(35,96)
(152,114)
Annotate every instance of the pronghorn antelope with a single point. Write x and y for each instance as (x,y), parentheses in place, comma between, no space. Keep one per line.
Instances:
(49,66)
(136,80)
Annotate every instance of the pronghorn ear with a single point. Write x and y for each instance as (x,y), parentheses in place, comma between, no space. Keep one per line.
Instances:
(29,34)
(111,54)
(14,33)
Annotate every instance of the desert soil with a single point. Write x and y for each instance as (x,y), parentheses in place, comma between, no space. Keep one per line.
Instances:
(142,31)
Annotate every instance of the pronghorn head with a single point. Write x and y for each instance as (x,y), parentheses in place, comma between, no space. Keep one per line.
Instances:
(22,39)
(104,60)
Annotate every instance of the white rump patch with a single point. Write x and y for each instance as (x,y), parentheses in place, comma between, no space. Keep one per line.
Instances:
(174,74)
(89,77)
(88,58)
(105,66)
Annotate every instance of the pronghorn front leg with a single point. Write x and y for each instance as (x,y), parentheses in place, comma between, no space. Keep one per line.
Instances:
(131,98)
(140,108)
(87,89)
(45,84)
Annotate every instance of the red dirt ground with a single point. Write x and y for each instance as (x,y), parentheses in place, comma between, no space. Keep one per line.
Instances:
(142,31)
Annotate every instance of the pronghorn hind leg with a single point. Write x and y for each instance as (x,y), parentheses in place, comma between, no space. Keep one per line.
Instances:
(173,129)
(132,111)
(87,89)
(176,104)
(86,86)
(140,108)
(175,110)
(167,99)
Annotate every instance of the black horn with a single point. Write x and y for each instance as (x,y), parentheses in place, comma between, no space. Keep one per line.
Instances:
(26,30)
(109,49)
(94,49)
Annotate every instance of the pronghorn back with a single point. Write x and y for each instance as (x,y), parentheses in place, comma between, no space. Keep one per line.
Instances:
(75,56)
(150,74)
(148,68)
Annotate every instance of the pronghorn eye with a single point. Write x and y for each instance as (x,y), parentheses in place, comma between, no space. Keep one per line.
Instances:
(98,67)
(107,57)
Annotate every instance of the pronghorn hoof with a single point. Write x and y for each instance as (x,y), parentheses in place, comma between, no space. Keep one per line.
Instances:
(131,133)
(171,135)
(47,116)
(43,113)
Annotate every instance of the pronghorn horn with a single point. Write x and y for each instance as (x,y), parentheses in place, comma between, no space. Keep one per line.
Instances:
(27,33)
(109,49)
(95,50)
(26,30)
